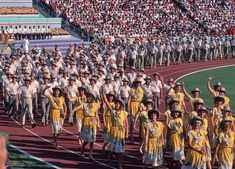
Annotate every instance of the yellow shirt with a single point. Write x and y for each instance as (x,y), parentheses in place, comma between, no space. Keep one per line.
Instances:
(215,93)
(56,103)
(106,111)
(217,114)
(192,100)
(143,116)
(155,130)
(80,100)
(118,118)
(198,139)
(227,139)
(204,127)
(90,110)
(181,99)
(176,125)
(226,101)
(136,94)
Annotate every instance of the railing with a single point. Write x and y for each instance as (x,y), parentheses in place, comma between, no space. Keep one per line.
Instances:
(77,31)
(46,9)
(81,33)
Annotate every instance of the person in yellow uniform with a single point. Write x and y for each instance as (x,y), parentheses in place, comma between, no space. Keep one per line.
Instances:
(216,114)
(90,122)
(143,121)
(226,114)
(222,93)
(202,113)
(180,95)
(79,100)
(173,103)
(225,146)
(135,98)
(119,128)
(107,119)
(195,95)
(154,140)
(196,154)
(58,112)
(215,91)
(176,137)
(197,104)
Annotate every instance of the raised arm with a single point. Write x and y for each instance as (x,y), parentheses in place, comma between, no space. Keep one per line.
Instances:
(185,91)
(106,100)
(209,86)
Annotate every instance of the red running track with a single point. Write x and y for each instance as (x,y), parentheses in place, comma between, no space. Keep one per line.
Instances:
(38,141)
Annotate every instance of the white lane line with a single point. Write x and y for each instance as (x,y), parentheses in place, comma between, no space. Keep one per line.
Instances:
(33,157)
(101,145)
(73,152)
(202,70)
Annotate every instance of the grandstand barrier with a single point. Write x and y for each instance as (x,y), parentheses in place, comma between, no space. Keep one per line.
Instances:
(53,22)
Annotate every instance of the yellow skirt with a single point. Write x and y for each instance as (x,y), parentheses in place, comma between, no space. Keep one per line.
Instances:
(56,121)
(154,154)
(79,116)
(88,131)
(176,144)
(117,139)
(134,107)
(226,155)
(143,128)
(194,159)
(106,134)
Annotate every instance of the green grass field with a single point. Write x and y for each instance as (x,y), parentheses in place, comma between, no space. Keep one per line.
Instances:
(19,160)
(225,75)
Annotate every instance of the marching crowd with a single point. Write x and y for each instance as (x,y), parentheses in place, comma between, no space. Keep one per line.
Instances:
(90,85)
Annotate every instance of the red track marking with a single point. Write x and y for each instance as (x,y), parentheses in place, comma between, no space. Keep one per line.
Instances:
(65,158)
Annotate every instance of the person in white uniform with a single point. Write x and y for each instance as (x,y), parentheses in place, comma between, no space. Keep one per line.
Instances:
(45,104)
(26,94)
(13,92)
(71,91)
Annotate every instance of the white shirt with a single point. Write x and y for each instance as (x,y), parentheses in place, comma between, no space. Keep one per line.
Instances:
(5,81)
(26,92)
(71,90)
(108,88)
(148,90)
(13,89)
(157,85)
(43,86)
(94,90)
(131,77)
(35,85)
(63,82)
(124,91)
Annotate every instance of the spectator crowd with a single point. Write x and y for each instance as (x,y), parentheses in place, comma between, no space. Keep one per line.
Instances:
(147,18)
